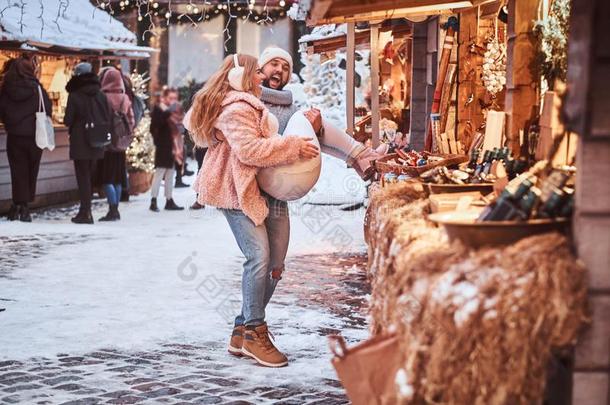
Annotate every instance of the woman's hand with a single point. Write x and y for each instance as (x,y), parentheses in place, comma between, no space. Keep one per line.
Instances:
(308,150)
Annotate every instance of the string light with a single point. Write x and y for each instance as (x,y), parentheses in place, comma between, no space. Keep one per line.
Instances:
(196,11)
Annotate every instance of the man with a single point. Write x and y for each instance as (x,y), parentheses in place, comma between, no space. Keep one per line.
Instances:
(276,65)
(164,127)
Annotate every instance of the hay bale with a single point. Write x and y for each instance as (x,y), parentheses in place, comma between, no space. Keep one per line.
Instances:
(477,327)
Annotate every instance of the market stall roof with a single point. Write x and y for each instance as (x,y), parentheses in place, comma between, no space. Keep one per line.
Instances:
(339,11)
(331,37)
(59,27)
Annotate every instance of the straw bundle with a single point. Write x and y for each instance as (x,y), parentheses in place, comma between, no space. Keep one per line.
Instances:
(477,327)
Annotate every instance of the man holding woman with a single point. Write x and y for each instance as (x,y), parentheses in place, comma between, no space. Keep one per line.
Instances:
(230,118)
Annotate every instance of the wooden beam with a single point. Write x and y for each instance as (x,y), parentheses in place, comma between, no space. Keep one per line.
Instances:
(336,43)
(340,8)
(341,11)
(522,81)
(419,86)
(350,70)
(467,116)
(490,10)
(318,11)
(375,83)
(361,38)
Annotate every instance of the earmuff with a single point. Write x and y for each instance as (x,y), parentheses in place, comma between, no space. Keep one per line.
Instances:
(236,75)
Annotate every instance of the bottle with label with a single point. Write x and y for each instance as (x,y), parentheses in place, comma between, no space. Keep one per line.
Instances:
(527,203)
(510,205)
(479,168)
(553,204)
(474,157)
(492,158)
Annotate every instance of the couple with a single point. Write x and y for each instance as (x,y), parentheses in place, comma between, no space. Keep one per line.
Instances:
(237,113)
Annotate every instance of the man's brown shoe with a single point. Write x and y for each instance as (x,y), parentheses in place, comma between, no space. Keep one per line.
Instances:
(237,339)
(258,345)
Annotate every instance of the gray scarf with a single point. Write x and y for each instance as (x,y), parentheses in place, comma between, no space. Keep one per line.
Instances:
(279,102)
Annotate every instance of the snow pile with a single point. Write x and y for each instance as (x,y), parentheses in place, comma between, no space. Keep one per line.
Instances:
(324,86)
(299,97)
(299,9)
(324,31)
(76,24)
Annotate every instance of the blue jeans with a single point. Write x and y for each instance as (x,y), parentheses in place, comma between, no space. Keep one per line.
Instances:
(264,247)
(113,193)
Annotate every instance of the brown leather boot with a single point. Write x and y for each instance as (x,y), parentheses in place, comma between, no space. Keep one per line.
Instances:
(237,340)
(258,345)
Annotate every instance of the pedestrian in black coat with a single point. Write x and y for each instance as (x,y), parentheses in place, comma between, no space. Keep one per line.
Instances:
(163,129)
(85,101)
(19,102)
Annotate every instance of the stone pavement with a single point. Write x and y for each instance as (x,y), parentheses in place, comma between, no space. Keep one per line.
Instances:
(178,373)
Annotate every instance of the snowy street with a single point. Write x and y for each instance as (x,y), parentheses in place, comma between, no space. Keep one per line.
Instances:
(140,310)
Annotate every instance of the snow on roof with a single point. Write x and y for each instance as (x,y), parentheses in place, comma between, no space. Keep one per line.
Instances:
(76,25)
(325,31)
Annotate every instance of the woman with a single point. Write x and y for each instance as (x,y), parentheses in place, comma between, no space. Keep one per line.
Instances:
(86,103)
(165,124)
(112,170)
(20,98)
(228,116)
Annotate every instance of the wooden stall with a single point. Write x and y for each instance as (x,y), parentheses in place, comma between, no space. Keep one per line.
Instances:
(425,237)
(57,51)
(394,72)
(424,19)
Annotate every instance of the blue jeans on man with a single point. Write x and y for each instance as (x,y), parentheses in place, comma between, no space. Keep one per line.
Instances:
(264,247)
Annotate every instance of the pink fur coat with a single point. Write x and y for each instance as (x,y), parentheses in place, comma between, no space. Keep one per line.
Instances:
(247,143)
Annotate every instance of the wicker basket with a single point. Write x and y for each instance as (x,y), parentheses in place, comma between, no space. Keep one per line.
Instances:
(139,182)
(388,164)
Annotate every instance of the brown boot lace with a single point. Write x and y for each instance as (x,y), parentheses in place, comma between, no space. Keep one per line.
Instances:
(263,338)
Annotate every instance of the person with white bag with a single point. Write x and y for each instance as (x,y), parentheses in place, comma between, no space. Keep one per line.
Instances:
(21,98)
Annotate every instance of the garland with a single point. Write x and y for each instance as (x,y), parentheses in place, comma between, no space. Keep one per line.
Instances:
(494,66)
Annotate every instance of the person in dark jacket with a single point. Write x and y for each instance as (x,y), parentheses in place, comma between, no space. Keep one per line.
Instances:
(19,102)
(85,96)
(163,129)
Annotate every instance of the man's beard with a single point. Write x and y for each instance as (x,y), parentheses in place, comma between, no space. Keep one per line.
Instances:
(268,85)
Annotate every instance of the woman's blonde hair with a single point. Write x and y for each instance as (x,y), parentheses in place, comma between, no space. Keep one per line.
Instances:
(207,102)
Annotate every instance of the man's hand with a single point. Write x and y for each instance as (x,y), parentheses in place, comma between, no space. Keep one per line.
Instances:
(315,118)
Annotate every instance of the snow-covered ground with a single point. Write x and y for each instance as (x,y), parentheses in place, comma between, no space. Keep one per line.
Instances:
(163,277)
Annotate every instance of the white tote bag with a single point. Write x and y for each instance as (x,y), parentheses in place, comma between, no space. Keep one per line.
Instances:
(45,134)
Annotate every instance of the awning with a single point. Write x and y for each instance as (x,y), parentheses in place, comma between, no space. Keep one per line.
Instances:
(340,11)
(329,38)
(73,28)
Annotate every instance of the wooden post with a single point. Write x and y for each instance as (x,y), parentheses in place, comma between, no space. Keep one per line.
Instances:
(350,71)
(522,81)
(418,85)
(375,83)
(586,111)
(468,116)
(442,74)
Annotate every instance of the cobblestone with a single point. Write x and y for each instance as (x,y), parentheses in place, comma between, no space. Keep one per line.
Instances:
(180,373)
